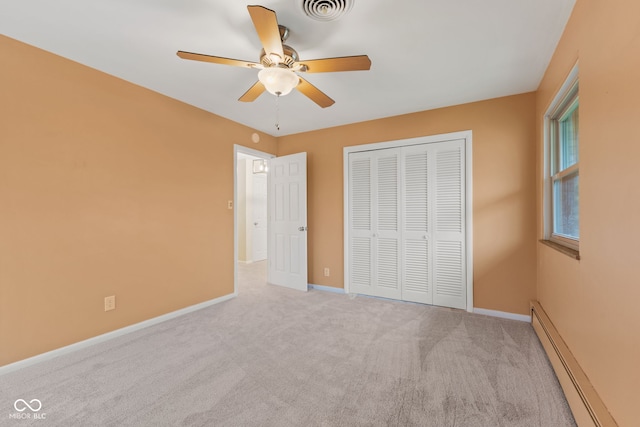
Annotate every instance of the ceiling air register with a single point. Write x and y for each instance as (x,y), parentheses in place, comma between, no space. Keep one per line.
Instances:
(326,10)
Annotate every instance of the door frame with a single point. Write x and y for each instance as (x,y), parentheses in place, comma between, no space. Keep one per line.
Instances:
(467,136)
(255,153)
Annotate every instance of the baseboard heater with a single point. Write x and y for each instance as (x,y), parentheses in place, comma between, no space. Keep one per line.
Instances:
(587,407)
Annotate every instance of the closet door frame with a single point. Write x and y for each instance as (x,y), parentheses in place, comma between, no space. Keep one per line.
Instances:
(464,135)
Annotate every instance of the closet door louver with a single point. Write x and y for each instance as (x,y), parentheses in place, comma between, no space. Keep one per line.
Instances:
(386,234)
(416,238)
(449,232)
(360,245)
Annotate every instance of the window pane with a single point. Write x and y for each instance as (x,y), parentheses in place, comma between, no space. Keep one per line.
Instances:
(569,138)
(565,199)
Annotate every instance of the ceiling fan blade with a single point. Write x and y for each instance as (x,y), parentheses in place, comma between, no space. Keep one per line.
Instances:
(266,24)
(217,59)
(315,94)
(328,65)
(254,92)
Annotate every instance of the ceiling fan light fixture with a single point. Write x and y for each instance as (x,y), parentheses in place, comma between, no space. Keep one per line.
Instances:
(278,81)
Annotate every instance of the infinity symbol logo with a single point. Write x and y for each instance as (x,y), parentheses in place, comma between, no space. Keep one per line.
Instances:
(21,405)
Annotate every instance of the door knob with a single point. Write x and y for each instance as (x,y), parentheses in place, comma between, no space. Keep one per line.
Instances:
(302,228)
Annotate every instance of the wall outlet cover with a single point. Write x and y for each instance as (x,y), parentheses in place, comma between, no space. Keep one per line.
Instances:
(110,303)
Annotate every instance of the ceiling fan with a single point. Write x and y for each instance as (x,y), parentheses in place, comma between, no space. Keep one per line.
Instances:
(279,63)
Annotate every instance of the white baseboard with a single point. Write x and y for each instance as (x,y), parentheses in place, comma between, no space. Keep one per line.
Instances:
(502,314)
(327,288)
(109,335)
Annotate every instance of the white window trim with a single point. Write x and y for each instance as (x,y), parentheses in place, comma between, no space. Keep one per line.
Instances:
(556,103)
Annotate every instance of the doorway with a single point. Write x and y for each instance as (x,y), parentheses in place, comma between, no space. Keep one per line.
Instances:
(286,227)
(250,209)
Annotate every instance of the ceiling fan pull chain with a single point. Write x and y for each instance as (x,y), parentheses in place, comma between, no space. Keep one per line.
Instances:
(278,112)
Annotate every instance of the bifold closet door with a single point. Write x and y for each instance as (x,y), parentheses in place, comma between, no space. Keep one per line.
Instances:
(417,221)
(407,223)
(449,234)
(433,221)
(374,212)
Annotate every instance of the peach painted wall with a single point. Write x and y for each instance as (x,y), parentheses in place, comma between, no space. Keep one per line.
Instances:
(503,192)
(594,302)
(106,188)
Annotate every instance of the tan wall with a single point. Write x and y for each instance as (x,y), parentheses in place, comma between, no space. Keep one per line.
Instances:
(105,188)
(503,192)
(594,302)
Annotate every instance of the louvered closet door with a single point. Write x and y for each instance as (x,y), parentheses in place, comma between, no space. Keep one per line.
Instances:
(374,210)
(449,252)
(360,223)
(416,227)
(407,223)
(386,232)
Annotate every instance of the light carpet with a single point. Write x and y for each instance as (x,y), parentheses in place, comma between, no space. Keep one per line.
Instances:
(279,357)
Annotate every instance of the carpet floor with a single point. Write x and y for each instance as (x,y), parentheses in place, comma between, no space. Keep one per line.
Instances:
(279,357)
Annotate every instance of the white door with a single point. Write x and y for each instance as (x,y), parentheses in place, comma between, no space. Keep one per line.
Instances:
(287,206)
(416,224)
(449,234)
(259,217)
(360,224)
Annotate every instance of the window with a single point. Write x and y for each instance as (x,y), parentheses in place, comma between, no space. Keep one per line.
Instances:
(562,225)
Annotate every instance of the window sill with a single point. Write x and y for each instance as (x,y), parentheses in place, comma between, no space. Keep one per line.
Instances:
(565,250)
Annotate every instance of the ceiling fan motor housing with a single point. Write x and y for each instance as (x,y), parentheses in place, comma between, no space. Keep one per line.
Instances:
(290,57)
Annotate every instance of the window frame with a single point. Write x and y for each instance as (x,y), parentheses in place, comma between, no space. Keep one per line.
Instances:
(566,99)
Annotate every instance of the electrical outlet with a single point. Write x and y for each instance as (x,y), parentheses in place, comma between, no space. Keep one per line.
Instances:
(229,204)
(110,303)
(326,272)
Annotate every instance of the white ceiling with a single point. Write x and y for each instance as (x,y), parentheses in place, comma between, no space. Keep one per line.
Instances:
(425,54)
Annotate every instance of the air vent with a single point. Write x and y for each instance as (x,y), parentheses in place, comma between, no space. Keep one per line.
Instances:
(326,10)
